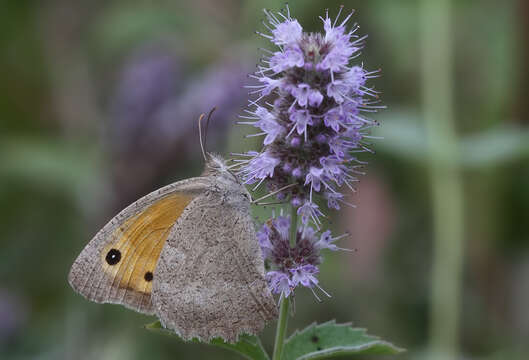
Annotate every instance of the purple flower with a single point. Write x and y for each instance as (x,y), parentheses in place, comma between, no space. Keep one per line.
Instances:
(341,47)
(334,168)
(263,237)
(318,100)
(295,142)
(283,60)
(338,146)
(335,34)
(338,90)
(304,275)
(351,111)
(335,60)
(333,199)
(270,85)
(334,118)
(280,283)
(287,32)
(260,167)
(301,119)
(268,124)
(297,172)
(314,178)
(305,95)
(290,267)
(351,139)
(282,225)
(326,242)
(356,78)
(310,210)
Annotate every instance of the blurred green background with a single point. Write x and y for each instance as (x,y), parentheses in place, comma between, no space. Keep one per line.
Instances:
(98,106)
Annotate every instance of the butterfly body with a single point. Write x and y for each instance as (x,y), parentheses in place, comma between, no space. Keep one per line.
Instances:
(187,253)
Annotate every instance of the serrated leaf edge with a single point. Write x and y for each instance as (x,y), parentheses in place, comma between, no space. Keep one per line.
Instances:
(330,322)
(344,349)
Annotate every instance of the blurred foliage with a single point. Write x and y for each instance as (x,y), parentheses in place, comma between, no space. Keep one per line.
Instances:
(62,65)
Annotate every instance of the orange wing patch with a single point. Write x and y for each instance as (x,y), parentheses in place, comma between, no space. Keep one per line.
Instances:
(132,259)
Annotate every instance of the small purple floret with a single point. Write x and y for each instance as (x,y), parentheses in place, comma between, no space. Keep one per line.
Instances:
(290,267)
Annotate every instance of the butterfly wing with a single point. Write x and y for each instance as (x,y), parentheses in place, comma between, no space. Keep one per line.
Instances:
(210,277)
(118,264)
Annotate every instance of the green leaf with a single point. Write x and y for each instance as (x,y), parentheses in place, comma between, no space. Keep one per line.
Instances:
(53,162)
(330,340)
(405,137)
(248,346)
(495,146)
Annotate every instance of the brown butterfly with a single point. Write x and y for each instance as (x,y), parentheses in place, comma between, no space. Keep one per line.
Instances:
(187,253)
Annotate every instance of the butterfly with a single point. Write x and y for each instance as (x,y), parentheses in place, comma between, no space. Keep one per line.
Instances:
(187,253)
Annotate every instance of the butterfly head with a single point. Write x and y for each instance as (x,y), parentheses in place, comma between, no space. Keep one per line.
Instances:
(215,164)
(217,168)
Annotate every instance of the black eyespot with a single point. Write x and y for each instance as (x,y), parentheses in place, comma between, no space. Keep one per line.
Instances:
(314,339)
(148,276)
(113,257)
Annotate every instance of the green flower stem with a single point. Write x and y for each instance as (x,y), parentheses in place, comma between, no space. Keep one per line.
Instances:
(281,328)
(293,226)
(285,302)
(445,177)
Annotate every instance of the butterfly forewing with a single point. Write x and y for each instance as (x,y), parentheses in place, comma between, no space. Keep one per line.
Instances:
(118,265)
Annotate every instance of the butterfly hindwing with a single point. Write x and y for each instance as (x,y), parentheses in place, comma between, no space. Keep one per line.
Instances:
(119,264)
(210,279)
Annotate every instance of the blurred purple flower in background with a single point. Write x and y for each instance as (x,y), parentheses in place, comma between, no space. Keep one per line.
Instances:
(13,315)
(153,125)
(148,80)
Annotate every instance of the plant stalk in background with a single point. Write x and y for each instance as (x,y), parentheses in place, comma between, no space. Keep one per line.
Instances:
(446,184)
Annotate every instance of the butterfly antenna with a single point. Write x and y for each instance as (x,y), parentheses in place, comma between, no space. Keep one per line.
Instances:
(202,116)
(207,124)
